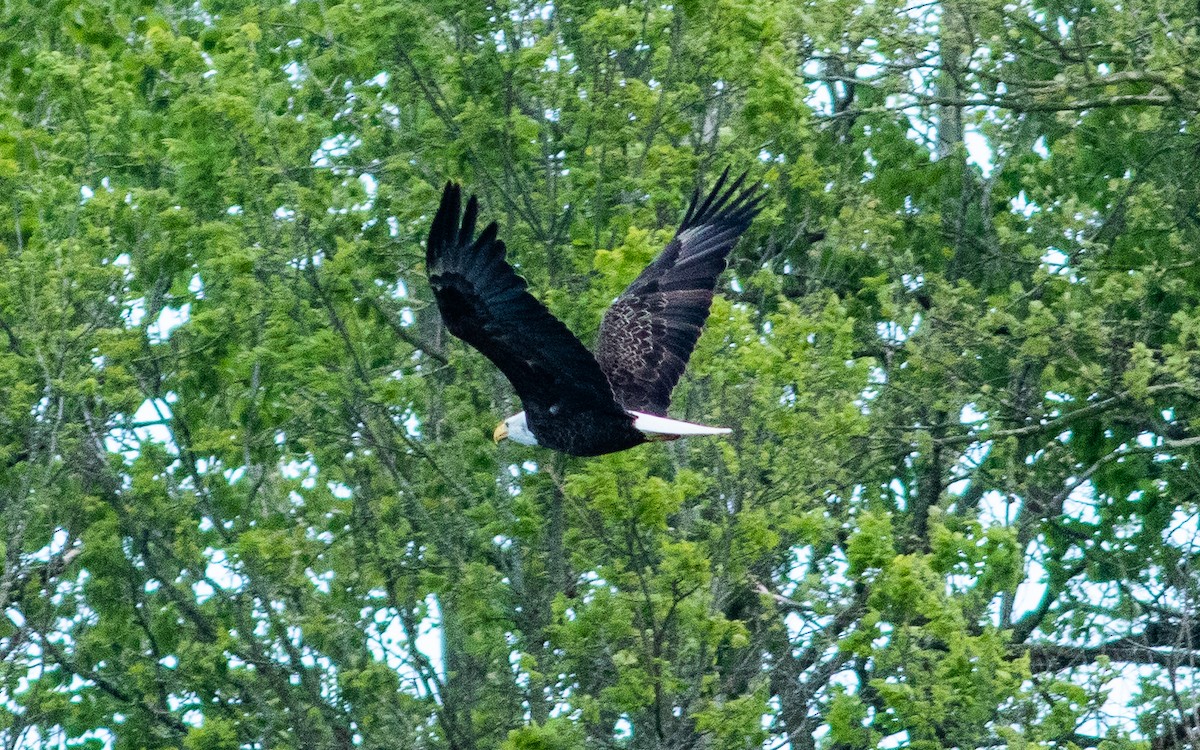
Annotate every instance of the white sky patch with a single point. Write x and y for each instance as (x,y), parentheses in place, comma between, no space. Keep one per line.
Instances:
(979,151)
(1148,440)
(1056,261)
(219,572)
(412,424)
(294,72)
(335,147)
(305,471)
(319,580)
(150,424)
(135,310)
(996,509)
(896,333)
(1081,503)
(369,184)
(970,414)
(56,738)
(58,541)
(168,320)
(1022,205)
(388,644)
(819,99)
(1184,530)
(623,729)
(919,130)
(1033,585)
(801,562)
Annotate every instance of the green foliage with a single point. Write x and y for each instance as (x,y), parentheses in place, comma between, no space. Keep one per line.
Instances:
(555,734)
(247,492)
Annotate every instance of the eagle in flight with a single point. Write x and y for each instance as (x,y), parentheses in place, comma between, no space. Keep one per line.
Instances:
(576,401)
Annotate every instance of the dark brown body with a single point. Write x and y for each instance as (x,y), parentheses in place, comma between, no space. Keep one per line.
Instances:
(584,433)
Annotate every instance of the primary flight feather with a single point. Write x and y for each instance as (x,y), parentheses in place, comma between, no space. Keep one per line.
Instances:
(576,402)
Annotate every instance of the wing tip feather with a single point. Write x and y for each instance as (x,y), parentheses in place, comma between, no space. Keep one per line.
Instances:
(452,242)
(734,205)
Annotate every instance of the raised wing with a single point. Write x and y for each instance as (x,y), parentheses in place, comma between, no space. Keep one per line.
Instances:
(484,302)
(649,333)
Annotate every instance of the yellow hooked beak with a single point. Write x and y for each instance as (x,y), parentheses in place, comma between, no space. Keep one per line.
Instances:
(500,433)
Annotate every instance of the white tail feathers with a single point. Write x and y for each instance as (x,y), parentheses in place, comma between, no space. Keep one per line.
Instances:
(654,425)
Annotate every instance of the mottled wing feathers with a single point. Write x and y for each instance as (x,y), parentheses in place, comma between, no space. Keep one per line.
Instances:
(646,338)
(649,333)
(485,303)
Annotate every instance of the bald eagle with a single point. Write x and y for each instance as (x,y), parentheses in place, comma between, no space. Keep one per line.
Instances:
(577,402)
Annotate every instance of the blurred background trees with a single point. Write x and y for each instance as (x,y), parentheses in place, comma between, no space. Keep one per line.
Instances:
(247,491)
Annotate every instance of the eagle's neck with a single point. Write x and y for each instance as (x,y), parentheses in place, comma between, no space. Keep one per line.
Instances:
(518,430)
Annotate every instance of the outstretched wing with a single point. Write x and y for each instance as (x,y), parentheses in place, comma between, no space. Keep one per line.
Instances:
(484,302)
(649,333)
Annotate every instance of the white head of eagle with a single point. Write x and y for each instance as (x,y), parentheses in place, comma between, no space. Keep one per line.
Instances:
(516,429)
(576,401)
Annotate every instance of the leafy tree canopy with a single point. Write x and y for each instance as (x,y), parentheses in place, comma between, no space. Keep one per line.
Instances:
(247,492)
